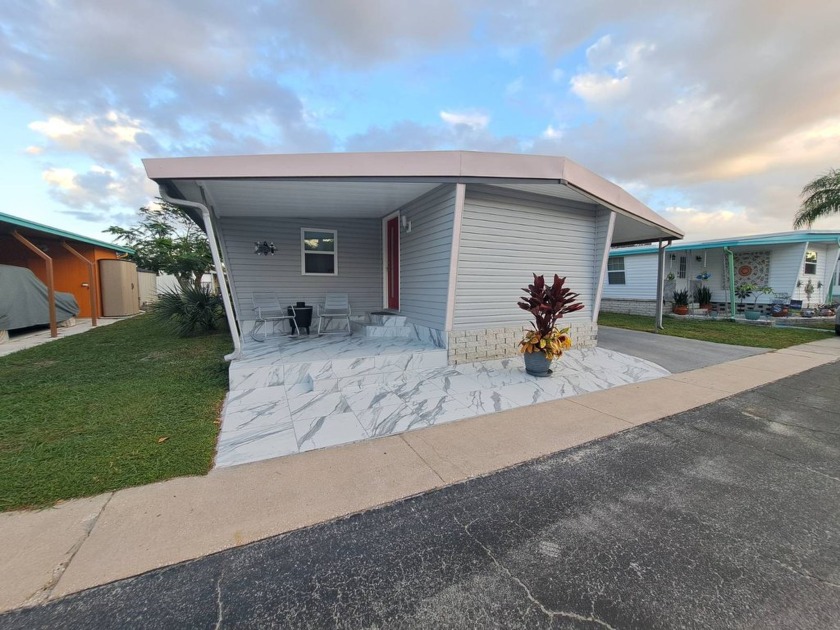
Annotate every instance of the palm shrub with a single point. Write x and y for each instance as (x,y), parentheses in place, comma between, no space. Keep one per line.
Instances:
(190,310)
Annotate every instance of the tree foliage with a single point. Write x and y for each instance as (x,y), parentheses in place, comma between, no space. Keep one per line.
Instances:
(821,198)
(166,240)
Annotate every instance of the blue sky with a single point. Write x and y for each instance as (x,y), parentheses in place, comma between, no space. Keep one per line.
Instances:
(715,114)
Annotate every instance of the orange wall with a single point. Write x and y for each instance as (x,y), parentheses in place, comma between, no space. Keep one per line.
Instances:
(69,272)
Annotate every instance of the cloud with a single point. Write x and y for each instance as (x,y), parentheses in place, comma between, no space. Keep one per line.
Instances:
(733,104)
(472,119)
(552,133)
(410,136)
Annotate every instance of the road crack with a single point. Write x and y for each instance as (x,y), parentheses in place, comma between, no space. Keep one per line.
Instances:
(46,591)
(546,611)
(805,574)
(219,606)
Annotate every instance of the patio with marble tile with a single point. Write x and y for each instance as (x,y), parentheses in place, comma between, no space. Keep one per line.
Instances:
(308,410)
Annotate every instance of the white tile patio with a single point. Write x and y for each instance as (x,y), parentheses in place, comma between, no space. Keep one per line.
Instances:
(294,395)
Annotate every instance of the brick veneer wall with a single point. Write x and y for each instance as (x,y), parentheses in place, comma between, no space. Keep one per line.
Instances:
(498,343)
(630,307)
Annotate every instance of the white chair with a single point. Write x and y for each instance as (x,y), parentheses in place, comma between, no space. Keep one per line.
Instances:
(336,306)
(267,309)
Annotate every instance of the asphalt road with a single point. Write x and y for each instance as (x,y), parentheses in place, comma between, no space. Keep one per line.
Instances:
(675,354)
(727,516)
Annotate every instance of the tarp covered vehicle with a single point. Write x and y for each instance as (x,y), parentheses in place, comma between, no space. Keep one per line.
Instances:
(24,303)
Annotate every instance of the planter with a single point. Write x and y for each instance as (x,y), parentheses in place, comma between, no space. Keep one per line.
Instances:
(536,364)
(705,307)
(752,315)
(779,310)
(680,310)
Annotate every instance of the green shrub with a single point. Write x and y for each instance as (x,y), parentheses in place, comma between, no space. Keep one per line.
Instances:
(702,295)
(192,310)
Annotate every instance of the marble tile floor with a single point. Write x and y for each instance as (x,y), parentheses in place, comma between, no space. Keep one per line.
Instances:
(272,421)
(303,360)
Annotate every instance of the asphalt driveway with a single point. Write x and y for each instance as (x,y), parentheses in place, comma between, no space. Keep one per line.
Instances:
(675,354)
(726,516)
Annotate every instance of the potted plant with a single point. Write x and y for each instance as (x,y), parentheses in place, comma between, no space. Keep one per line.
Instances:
(703,296)
(546,342)
(753,313)
(681,302)
(743,291)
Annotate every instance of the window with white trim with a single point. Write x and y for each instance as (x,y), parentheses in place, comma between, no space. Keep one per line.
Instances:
(318,252)
(615,270)
(811,262)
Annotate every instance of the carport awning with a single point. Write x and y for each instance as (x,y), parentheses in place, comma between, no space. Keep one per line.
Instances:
(374,184)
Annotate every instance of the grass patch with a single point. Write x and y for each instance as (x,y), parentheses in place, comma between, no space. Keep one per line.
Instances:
(718,331)
(87,414)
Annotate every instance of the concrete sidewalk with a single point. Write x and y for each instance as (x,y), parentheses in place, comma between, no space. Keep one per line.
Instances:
(86,542)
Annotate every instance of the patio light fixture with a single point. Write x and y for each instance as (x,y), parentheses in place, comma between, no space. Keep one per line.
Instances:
(265,248)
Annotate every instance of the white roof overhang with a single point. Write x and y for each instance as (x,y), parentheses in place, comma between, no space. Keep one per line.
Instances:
(375,184)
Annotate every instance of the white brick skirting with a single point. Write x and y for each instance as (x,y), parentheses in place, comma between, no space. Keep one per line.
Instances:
(628,306)
(497,343)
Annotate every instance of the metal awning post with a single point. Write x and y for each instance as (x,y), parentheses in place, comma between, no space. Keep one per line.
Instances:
(50,279)
(730,256)
(660,282)
(91,280)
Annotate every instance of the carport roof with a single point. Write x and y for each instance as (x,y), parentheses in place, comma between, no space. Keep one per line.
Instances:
(9,223)
(365,176)
(779,238)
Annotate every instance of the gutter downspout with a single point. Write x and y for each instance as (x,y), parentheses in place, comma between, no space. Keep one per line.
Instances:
(217,263)
(731,258)
(830,297)
(660,283)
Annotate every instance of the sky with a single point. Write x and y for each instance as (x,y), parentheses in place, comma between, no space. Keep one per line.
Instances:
(714,113)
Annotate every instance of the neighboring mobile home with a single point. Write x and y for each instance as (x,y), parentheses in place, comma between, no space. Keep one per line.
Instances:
(786,262)
(445,239)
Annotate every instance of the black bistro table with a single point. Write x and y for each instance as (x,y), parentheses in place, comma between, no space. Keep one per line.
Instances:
(303,316)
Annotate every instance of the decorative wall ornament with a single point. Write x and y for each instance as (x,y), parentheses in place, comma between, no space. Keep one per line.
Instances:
(265,248)
(750,268)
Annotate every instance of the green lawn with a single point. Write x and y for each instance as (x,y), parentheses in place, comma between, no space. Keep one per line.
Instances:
(122,405)
(719,331)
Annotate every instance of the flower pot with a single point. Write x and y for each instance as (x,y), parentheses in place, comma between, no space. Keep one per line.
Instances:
(680,310)
(536,364)
(705,307)
(752,315)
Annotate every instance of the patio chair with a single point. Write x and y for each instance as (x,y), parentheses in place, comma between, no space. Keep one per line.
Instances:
(336,306)
(267,309)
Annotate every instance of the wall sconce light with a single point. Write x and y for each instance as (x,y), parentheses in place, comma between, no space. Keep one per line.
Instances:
(673,256)
(406,224)
(265,248)
(698,258)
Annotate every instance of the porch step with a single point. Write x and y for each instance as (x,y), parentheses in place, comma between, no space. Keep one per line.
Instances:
(384,325)
(387,320)
(375,330)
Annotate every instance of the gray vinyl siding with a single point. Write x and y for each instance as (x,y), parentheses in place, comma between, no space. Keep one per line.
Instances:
(508,235)
(425,255)
(359,261)
(602,228)
(639,278)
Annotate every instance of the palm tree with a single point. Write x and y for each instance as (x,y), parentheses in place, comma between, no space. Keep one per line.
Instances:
(822,197)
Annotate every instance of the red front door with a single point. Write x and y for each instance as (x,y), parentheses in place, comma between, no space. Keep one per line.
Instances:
(393,263)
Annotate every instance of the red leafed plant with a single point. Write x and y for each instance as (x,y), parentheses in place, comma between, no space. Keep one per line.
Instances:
(548,303)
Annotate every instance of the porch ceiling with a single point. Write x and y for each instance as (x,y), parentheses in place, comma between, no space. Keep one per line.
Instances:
(276,198)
